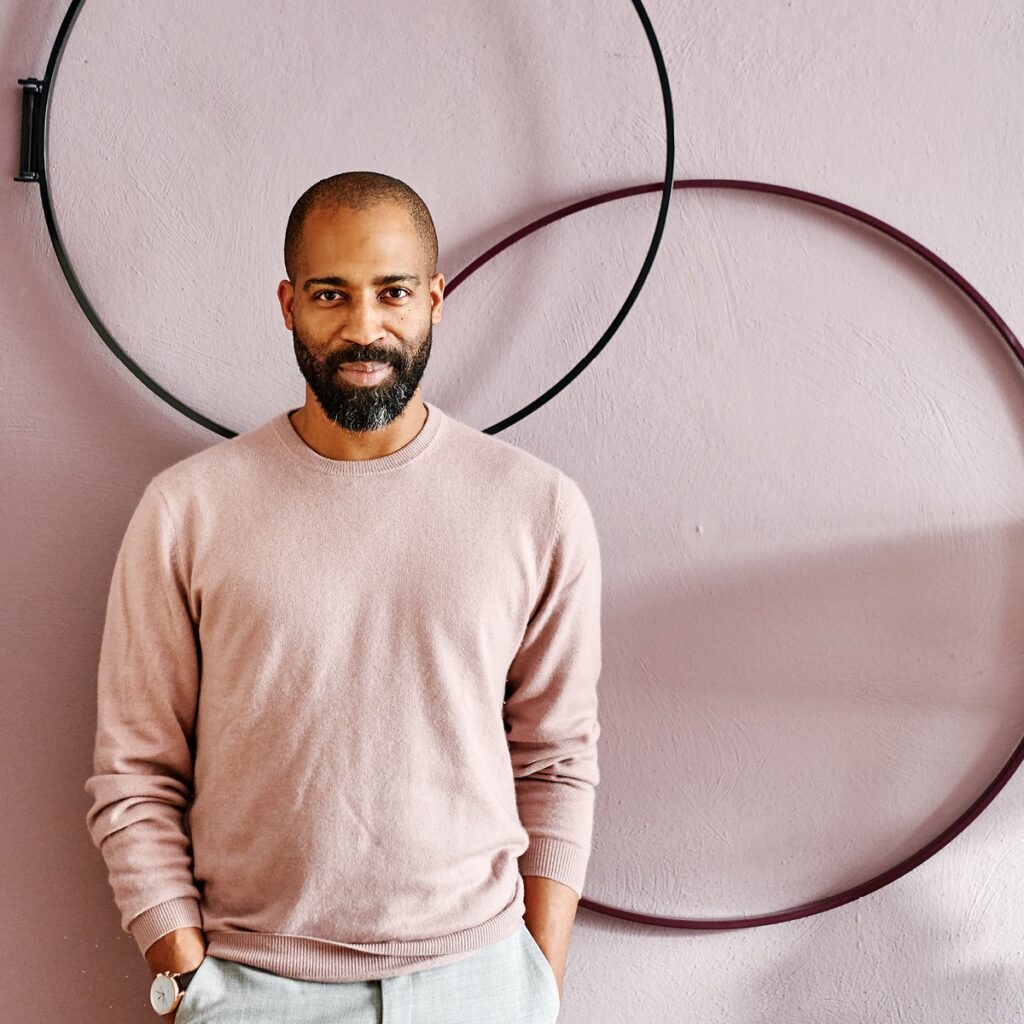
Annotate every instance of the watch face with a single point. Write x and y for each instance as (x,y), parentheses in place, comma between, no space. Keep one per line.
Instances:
(162,993)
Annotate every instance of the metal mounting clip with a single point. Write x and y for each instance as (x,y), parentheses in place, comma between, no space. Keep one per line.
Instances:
(33,97)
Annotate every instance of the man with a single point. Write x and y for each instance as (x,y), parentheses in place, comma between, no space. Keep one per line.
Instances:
(345,757)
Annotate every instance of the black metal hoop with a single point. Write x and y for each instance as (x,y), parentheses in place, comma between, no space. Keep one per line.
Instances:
(34,167)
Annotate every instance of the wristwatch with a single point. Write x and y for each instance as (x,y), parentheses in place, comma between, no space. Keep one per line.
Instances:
(167,989)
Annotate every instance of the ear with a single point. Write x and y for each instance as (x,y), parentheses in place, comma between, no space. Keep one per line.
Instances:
(436,297)
(286,295)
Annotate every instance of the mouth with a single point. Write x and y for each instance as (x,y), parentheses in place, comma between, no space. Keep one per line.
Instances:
(364,374)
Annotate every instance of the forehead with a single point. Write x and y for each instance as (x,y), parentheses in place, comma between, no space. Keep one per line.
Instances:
(378,237)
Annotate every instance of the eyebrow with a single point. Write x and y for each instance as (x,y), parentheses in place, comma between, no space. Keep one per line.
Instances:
(340,282)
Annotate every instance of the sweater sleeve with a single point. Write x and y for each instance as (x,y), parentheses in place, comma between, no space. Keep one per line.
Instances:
(551,701)
(146,705)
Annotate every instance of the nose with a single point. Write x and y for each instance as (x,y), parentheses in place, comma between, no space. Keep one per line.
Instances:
(364,323)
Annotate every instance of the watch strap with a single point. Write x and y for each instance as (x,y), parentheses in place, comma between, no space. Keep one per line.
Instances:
(185,977)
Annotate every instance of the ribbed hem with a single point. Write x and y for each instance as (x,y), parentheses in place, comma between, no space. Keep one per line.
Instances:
(555,858)
(311,959)
(306,456)
(158,921)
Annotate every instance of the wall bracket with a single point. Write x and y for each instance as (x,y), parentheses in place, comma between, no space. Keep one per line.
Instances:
(33,100)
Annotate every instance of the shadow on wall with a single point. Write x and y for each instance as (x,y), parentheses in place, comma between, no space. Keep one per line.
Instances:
(906,949)
(777,733)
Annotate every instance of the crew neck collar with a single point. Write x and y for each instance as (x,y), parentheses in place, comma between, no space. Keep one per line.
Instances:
(301,452)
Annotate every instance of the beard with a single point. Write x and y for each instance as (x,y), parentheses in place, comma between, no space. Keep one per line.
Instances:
(362,408)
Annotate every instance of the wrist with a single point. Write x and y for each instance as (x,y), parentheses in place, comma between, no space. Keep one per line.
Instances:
(180,950)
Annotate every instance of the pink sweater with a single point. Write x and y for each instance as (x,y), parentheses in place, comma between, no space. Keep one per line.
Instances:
(344,706)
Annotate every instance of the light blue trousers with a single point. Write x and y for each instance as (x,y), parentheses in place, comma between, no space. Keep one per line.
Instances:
(509,982)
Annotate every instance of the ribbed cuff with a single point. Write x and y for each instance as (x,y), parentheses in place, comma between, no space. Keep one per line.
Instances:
(555,858)
(152,924)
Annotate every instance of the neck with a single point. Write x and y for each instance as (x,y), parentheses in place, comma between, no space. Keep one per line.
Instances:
(326,438)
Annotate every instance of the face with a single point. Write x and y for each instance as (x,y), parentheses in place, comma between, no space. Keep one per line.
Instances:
(361,313)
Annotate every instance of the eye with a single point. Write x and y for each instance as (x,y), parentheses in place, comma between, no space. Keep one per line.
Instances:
(317,295)
(398,289)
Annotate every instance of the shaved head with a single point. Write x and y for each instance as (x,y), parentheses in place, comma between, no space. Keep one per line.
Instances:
(359,190)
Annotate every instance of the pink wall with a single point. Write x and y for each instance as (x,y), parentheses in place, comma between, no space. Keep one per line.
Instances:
(803,449)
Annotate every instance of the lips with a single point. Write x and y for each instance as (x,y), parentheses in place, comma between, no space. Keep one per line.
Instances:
(354,374)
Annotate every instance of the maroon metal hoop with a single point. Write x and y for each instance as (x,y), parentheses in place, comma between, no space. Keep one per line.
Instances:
(990,791)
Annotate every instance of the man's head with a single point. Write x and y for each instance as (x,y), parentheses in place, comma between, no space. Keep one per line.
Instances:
(361,257)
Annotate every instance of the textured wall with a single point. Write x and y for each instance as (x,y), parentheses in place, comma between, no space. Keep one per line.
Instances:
(803,450)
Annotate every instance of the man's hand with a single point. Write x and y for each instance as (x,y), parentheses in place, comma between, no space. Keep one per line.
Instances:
(184,949)
(550,913)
